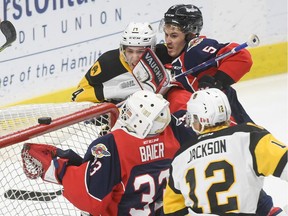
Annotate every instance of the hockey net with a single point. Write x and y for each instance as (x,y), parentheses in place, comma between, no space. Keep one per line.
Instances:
(73,126)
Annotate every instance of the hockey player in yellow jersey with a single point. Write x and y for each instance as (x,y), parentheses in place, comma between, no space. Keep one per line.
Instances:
(221,171)
(110,78)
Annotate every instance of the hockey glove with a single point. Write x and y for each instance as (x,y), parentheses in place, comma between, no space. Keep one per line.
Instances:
(42,160)
(220,80)
(208,81)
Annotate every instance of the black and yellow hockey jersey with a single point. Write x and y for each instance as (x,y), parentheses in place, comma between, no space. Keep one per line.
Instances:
(110,76)
(222,172)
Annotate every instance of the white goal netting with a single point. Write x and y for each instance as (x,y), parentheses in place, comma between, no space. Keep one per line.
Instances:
(73,126)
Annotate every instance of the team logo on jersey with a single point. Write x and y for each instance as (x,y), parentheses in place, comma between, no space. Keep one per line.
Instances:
(96,69)
(194,42)
(100,150)
(181,119)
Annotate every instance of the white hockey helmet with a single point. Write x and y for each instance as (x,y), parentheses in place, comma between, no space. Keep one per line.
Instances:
(138,34)
(145,113)
(208,107)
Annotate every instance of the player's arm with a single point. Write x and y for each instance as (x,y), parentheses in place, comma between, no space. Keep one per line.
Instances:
(229,70)
(270,155)
(106,67)
(89,186)
(234,66)
(85,92)
(90,87)
(75,189)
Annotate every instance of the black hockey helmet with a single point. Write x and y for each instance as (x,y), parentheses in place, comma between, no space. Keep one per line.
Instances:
(187,17)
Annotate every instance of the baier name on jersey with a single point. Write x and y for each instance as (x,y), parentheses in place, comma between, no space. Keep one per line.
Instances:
(151,150)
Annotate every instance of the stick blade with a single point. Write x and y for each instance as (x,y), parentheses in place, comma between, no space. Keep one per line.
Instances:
(31,195)
(8,30)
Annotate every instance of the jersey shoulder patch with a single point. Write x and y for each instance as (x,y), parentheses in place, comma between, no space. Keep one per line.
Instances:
(95,69)
(194,42)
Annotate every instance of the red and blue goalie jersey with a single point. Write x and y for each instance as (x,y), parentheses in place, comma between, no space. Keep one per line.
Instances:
(122,174)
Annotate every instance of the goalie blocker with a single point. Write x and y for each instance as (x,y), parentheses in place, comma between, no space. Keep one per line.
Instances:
(150,72)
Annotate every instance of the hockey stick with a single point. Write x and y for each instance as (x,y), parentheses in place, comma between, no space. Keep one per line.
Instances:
(252,41)
(9,31)
(31,195)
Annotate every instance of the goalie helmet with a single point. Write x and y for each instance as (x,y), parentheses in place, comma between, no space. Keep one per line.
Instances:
(187,17)
(145,113)
(138,34)
(208,107)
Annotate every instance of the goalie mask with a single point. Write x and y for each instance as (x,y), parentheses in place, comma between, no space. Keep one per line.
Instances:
(145,113)
(208,107)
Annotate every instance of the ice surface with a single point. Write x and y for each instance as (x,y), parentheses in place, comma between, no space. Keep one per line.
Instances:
(266,101)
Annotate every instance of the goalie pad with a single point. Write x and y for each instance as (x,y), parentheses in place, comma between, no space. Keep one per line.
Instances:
(40,160)
(120,87)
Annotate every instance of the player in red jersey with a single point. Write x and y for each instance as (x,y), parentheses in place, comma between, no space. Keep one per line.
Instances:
(125,171)
(182,25)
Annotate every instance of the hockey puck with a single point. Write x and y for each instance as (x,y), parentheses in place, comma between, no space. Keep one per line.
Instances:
(45,120)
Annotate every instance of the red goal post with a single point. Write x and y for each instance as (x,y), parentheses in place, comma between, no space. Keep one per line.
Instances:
(74,125)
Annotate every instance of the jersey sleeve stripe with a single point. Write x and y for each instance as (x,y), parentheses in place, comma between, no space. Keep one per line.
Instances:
(279,169)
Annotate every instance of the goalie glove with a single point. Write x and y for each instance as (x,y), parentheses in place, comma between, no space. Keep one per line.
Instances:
(120,87)
(45,161)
